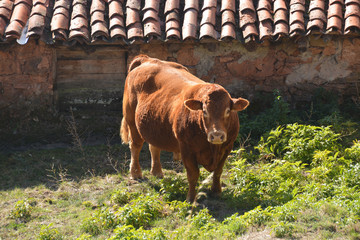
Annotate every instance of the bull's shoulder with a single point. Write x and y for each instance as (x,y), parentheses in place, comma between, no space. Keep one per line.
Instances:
(137,61)
(176,65)
(140,59)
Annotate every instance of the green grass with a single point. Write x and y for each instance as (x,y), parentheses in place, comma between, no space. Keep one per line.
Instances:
(290,180)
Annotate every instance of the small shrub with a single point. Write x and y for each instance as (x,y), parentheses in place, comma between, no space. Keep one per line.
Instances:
(141,211)
(49,233)
(173,188)
(92,226)
(234,224)
(121,197)
(283,229)
(84,236)
(130,233)
(202,219)
(22,211)
(353,153)
(297,142)
(181,209)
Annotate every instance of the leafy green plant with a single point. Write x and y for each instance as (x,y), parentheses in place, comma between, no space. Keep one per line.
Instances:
(141,211)
(128,232)
(48,232)
(92,226)
(283,229)
(174,187)
(22,211)
(121,197)
(297,142)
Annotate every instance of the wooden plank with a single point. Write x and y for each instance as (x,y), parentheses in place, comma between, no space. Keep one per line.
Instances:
(85,77)
(90,66)
(93,53)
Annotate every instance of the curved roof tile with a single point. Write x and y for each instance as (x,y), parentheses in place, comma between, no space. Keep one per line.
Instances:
(281,19)
(172,19)
(264,12)
(86,21)
(247,20)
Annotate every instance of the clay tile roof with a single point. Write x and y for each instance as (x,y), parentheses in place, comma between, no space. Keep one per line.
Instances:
(264,12)
(116,20)
(133,22)
(208,20)
(317,17)
(352,16)
(335,17)
(99,29)
(151,20)
(247,20)
(281,19)
(60,20)
(89,21)
(228,21)
(6,7)
(172,19)
(296,18)
(79,25)
(37,18)
(190,24)
(19,18)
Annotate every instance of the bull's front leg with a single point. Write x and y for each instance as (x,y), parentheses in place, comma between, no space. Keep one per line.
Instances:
(192,172)
(216,185)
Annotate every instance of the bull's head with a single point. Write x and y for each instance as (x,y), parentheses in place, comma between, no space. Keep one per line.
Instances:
(216,108)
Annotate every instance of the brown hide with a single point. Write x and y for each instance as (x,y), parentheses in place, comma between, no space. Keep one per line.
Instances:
(173,110)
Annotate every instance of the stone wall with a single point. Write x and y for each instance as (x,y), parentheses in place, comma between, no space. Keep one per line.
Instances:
(295,68)
(33,75)
(26,78)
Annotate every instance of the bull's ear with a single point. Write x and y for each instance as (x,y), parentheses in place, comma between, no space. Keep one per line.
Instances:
(239,104)
(193,104)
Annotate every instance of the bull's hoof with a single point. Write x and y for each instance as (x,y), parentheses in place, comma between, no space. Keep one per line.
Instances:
(158,174)
(135,175)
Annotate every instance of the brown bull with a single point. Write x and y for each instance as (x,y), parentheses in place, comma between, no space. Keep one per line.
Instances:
(175,111)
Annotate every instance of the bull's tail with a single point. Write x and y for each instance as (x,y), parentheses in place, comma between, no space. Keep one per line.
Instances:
(124,132)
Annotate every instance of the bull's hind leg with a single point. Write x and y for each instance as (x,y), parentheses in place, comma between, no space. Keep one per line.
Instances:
(155,161)
(135,148)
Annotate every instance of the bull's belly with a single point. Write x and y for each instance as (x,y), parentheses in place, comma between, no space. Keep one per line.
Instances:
(157,132)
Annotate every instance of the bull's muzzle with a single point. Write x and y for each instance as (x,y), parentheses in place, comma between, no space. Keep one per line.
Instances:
(217,137)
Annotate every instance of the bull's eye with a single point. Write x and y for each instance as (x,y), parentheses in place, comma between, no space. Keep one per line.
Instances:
(227,112)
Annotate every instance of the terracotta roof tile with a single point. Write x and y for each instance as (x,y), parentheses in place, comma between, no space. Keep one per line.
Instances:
(335,17)
(6,7)
(133,22)
(352,17)
(208,20)
(296,18)
(60,20)
(228,22)
(172,18)
(116,20)
(151,19)
(191,4)
(190,25)
(281,21)
(79,26)
(86,21)
(99,29)
(19,17)
(247,20)
(317,17)
(264,12)
(37,18)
